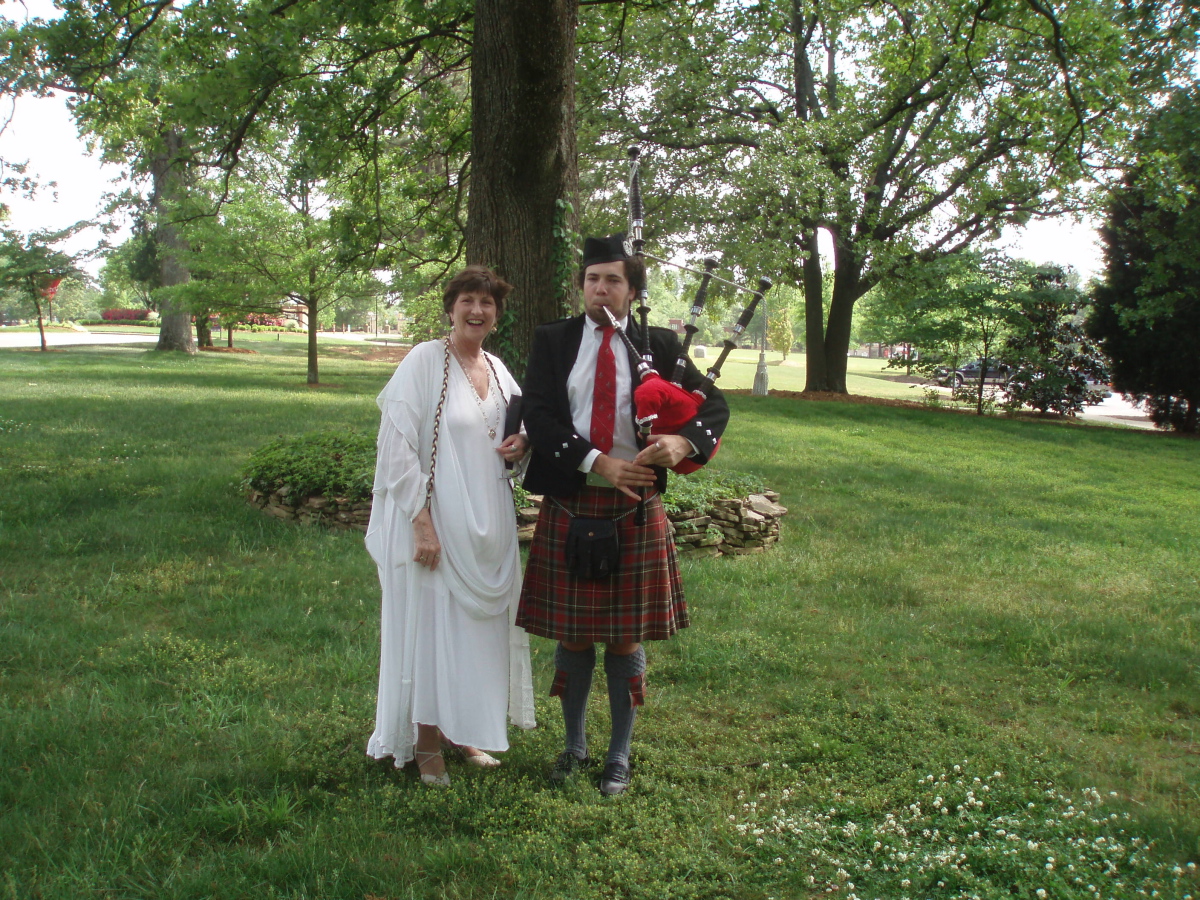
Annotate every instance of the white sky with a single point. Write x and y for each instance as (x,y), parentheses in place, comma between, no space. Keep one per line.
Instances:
(41,131)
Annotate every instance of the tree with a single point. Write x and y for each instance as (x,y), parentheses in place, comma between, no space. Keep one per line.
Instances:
(523,156)
(908,131)
(32,268)
(377,88)
(780,336)
(275,238)
(1146,312)
(1052,358)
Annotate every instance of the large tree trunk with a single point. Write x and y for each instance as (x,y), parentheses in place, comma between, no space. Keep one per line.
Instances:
(814,317)
(167,169)
(313,377)
(203,330)
(846,273)
(33,292)
(522,155)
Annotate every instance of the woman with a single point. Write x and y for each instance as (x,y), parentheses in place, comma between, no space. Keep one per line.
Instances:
(452,664)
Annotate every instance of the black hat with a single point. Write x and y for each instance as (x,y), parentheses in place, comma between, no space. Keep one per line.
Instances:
(605,249)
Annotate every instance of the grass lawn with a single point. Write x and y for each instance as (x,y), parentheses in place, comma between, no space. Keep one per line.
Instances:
(869,377)
(969,668)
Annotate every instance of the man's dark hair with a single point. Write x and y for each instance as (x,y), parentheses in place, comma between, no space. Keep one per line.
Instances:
(473,279)
(635,273)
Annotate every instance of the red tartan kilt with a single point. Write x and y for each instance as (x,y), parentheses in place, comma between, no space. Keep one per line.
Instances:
(643,601)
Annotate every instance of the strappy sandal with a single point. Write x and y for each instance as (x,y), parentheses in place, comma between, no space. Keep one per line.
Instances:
(423,757)
(476,757)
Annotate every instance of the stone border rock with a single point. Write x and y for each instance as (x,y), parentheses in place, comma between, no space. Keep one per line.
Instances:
(734,527)
(336,512)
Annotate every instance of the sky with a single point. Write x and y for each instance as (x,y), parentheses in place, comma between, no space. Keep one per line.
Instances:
(41,131)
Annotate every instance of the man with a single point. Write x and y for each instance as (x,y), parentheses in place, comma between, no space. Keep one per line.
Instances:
(587,461)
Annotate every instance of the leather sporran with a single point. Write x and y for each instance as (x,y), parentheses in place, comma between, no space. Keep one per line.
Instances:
(593,548)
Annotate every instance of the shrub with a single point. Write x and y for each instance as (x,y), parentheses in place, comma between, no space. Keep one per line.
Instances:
(122,315)
(700,489)
(342,464)
(265,320)
(334,463)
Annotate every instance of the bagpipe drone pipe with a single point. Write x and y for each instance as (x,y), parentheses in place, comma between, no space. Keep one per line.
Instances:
(663,406)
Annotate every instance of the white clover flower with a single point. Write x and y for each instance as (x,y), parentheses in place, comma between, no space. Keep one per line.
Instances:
(779,860)
(905,883)
(732,818)
(758,842)
(1041,892)
(957,769)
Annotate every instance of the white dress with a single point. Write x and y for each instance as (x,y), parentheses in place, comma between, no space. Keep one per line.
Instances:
(450,655)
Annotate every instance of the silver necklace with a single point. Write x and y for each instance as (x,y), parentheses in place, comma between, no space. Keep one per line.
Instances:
(491,394)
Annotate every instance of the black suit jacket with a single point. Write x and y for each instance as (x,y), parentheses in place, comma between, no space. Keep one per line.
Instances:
(557,448)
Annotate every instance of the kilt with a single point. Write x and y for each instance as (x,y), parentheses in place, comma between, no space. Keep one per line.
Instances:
(643,601)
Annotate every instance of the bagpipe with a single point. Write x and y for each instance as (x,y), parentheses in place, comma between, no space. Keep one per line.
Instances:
(663,406)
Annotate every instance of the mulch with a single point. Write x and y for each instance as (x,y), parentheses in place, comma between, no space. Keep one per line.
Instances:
(227,350)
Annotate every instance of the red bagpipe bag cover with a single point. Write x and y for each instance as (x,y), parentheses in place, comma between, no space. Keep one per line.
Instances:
(674,407)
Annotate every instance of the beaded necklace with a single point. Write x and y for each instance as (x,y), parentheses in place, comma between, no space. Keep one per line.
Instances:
(491,394)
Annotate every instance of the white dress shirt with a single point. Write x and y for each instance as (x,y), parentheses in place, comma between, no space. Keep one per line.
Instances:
(580,387)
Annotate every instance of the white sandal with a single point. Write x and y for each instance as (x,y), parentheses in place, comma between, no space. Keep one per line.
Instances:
(423,757)
(478,758)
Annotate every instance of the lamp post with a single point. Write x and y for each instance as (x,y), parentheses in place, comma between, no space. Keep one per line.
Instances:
(760,374)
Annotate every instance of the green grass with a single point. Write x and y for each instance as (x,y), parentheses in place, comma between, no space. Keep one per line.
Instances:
(868,377)
(187,685)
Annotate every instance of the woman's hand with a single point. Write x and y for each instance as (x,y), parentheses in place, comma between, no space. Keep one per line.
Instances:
(425,540)
(514,448)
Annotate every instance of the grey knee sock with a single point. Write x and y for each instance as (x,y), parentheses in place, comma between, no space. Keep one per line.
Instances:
(625,676)
(572,683)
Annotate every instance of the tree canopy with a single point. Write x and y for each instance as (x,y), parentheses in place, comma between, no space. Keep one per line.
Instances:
(1147,309)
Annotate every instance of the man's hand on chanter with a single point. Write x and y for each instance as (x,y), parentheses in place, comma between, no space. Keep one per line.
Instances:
(664,450)
(624,475)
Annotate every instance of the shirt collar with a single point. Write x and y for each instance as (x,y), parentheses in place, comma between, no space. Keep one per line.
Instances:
(624,323)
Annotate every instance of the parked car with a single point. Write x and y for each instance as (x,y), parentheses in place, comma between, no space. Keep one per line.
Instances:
(1099,388)
(968,373)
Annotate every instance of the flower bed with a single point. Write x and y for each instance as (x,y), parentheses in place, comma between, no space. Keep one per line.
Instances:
(326,478)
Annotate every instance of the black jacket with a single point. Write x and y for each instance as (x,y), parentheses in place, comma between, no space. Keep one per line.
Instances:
(557,449)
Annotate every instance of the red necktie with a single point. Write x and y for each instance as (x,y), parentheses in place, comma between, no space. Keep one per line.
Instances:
(604,394)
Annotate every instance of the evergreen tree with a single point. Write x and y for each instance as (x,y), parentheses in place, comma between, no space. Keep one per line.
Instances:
(1147,311)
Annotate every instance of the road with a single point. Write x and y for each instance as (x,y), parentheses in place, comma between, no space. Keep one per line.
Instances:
(9,340)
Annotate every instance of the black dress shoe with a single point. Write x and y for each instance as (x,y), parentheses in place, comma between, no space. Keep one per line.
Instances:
(568,765)
(615,779)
